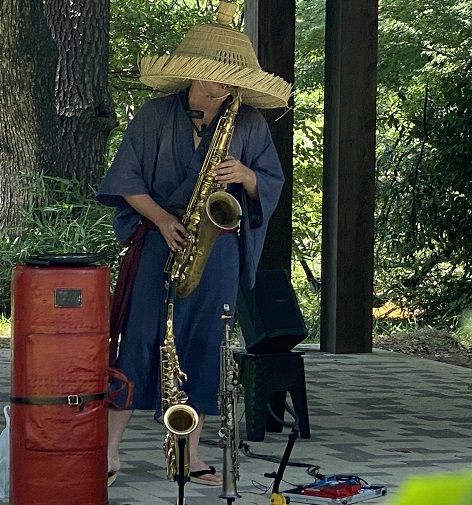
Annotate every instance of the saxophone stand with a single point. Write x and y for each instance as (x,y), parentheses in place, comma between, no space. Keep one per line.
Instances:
(277,498)
(181,478)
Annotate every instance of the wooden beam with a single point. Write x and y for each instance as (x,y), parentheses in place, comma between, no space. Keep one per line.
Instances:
(270,24)
(348,176)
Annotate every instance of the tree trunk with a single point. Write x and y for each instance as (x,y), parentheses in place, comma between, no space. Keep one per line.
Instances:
(56,109)
(80,29)
(28,130)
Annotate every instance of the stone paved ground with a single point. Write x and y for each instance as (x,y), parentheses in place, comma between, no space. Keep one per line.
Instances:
(382,416)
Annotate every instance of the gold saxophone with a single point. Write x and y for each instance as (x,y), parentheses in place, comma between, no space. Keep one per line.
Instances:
(179,418)
(230,391)
(210,209)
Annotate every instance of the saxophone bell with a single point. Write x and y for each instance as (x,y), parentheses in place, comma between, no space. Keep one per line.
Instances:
(229,491)
(180,419)
(223,210)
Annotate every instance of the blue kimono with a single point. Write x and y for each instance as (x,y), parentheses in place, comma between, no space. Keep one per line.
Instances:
(157,156)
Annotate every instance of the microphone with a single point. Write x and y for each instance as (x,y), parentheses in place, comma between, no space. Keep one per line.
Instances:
(195,114)
(200,133)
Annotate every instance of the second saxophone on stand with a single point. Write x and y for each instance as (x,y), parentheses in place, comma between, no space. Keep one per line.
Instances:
(230,391)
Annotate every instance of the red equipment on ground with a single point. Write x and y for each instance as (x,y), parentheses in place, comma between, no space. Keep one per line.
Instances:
(59,382)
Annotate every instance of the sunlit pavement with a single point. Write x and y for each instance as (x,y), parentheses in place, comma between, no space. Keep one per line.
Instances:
(381,416)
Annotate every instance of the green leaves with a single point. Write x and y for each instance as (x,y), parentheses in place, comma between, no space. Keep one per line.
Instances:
(424,166)
(423,245)
(143,28)
(59,219)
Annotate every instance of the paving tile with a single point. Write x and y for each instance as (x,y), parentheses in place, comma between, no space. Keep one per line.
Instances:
(381,416)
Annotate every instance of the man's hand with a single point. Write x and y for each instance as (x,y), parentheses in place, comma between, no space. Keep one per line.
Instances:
(233,171)
(171,228)
(173,231)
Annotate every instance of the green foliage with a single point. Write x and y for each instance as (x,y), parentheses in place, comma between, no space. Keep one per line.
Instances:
(307,175)
(309,44)
(414,36)
(389,326)
(5,327)
(308,158)
(141,28)
(423,225)
(308,298)
(58,219)
(306,208)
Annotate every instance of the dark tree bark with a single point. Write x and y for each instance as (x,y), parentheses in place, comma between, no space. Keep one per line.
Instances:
(28,129)
(80,29)
(56,110)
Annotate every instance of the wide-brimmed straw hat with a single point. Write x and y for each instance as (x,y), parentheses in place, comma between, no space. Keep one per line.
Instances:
(216,52)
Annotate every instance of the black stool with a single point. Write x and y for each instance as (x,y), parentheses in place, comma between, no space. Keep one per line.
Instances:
(267,378)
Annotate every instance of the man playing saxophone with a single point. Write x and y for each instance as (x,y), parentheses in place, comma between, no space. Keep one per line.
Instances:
(150,183)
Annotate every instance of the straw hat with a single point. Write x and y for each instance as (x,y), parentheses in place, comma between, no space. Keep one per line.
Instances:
(216,52)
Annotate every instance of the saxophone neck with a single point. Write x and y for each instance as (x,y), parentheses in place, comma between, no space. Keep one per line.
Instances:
(170,309)
(237,100)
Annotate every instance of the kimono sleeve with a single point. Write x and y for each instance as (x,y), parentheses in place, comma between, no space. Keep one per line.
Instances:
(262,158)
(126,175)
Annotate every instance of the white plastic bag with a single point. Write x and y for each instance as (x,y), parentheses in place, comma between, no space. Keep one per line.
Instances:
(5,455)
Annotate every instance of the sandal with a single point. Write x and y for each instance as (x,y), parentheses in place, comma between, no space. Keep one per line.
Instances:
(111,478)
(195,477)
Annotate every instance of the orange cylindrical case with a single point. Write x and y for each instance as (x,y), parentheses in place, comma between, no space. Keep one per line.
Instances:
(59,380)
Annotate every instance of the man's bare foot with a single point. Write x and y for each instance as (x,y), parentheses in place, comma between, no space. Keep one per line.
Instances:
(114,466)
(114,463)
(201,473)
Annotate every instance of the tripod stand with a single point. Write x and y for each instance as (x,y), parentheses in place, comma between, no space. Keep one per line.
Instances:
(277,498)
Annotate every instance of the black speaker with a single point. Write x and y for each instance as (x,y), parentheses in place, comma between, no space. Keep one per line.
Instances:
(269,316)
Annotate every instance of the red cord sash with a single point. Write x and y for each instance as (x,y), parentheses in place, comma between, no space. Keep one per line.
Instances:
(124,284)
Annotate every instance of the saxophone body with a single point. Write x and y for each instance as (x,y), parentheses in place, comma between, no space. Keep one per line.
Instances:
(210,210)
(230,391)
(179,418)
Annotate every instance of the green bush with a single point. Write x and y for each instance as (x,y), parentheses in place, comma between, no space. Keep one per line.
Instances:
(62,217)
